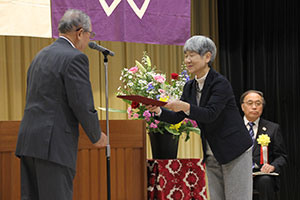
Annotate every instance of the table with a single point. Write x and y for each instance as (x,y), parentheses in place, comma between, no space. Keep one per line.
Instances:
(178,179)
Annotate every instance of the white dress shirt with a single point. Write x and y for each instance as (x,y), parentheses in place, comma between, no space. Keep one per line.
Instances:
(255,126)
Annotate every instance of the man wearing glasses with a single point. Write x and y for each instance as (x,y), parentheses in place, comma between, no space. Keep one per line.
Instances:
(58,98)
(252,103)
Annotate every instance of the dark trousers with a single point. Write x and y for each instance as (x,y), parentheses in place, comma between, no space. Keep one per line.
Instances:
(45,180)
(266,186)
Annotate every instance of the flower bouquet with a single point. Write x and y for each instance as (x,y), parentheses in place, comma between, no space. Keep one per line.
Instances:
(143,79)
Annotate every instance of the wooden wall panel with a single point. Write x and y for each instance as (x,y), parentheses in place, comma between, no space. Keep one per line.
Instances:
(127,163)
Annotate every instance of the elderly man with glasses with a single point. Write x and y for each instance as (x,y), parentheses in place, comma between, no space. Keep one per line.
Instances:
(59,97)
(252,103)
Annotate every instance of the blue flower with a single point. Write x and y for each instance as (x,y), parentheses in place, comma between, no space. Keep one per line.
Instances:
(187,78)
(150,87)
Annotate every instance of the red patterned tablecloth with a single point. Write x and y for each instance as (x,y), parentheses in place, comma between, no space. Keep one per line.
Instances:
(176,179)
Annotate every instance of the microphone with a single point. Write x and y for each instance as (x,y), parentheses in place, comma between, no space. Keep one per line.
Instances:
(105,51)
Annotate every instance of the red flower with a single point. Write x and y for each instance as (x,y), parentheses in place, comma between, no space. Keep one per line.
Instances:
(174,76)
(135,104)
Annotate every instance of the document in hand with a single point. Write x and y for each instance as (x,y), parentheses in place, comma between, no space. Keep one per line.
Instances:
(144,100)
(263,173)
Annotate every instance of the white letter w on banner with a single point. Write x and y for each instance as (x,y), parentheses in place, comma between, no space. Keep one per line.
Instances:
(139,12)
(109,9)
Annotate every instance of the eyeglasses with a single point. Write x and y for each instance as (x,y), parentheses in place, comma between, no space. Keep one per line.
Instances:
(92,33)
(256,103)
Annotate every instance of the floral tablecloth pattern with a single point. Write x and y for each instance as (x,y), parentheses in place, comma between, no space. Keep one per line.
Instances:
(176,179)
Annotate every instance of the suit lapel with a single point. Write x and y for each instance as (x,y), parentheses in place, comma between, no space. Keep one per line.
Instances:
(192,97)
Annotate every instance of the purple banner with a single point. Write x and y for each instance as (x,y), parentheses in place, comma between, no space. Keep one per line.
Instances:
(141,21)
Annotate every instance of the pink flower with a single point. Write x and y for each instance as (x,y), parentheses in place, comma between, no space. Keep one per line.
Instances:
(147,113)
(161,91)
(194,123)
(159,78)
(152,125)
(156,121)
(133,69)
(129,111)
(135,116)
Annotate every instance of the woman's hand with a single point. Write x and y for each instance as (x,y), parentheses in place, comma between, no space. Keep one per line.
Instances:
(178,105)
(154,109)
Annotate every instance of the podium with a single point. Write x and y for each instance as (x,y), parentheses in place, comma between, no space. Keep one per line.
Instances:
(128,163)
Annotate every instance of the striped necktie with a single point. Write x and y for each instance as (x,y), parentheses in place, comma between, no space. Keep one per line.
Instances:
(251,131)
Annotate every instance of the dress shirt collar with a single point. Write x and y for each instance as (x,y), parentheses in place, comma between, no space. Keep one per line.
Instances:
(200,82)
(255,122)
(201,79)
(67,40)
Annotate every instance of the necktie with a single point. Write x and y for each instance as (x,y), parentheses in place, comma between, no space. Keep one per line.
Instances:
(251,131)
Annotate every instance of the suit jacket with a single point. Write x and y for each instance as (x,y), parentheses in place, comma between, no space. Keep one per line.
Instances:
(217,116)
(58,97)
(276,148)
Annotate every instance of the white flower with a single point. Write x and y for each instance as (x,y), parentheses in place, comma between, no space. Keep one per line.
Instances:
(143,82)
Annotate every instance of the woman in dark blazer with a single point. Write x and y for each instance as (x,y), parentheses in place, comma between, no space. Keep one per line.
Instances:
(208,99)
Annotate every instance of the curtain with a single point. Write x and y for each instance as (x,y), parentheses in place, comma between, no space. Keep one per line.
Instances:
(16,54)
(259,49)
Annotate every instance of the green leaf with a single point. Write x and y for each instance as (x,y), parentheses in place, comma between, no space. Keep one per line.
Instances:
(112,110)
(195,130)
(148,61)
(140,66)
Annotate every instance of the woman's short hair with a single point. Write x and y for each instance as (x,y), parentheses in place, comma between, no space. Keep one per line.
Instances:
(201,44)
(72,20)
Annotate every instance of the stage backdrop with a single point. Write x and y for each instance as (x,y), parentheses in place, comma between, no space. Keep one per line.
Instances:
(140,21)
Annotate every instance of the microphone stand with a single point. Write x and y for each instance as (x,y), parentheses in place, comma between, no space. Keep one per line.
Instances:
(105,53)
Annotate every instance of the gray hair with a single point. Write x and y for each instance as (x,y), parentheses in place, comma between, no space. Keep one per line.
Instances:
(252,91)
(201,45)
(74,18)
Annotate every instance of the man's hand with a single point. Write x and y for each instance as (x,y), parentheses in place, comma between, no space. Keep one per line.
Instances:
(102,142)
(266,168)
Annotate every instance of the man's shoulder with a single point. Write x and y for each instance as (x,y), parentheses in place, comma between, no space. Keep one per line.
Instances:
(268,126)
(61,48)
(267,122)
(63,45)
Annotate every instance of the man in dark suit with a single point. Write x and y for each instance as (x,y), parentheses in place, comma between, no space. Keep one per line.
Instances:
(58,98)
(252,103)
(208,99)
